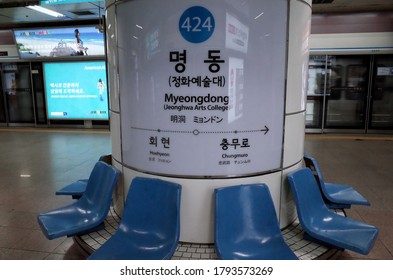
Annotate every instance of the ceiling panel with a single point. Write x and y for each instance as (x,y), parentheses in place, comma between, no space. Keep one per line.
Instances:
(341,6)
(19,14)
(23,15)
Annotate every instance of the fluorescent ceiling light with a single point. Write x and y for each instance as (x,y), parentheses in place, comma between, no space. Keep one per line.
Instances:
(46,11)
(258,16)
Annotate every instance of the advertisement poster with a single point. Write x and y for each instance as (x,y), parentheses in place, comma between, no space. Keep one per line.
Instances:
(76,90)
(202,86)
(59,42)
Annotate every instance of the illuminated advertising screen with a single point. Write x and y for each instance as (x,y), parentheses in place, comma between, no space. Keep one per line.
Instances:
(59,42)
(76,90)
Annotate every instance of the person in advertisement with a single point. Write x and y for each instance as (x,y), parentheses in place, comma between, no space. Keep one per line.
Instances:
(101,87)
(81,50)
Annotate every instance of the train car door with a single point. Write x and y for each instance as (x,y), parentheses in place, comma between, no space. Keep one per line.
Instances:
(381,113)
(16,83)
(37,79)
(346,92)
(3,120)
(317,72)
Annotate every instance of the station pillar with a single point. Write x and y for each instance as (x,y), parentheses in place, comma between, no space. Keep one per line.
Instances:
(208,95)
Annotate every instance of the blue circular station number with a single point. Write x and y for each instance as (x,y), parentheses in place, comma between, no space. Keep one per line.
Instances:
(196,24)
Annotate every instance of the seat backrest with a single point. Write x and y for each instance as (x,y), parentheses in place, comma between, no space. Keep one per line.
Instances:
(106,158)
(153,207)
(308,198)
(100,186)
(313,165)
(244,212)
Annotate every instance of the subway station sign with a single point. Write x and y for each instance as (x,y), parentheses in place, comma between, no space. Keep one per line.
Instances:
(202,86)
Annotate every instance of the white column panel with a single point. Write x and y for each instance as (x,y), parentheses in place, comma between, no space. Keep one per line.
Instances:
(294,138)
(112,59)
(299,23)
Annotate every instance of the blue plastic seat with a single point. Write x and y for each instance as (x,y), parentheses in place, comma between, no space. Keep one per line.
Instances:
(335,195)
(150,224)
(246,226)
(89,211)
(324,225)
(77,188)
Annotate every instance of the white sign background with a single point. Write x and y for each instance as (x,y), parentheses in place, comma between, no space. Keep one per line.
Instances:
(243,106)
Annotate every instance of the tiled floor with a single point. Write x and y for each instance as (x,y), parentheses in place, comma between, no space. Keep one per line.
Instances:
(34,164)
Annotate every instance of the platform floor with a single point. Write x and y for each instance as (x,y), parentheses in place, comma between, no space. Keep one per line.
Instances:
(35,163)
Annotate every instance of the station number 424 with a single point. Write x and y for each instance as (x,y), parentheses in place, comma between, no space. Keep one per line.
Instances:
(195,24)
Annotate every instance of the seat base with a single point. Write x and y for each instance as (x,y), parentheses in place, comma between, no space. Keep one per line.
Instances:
(95,229)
